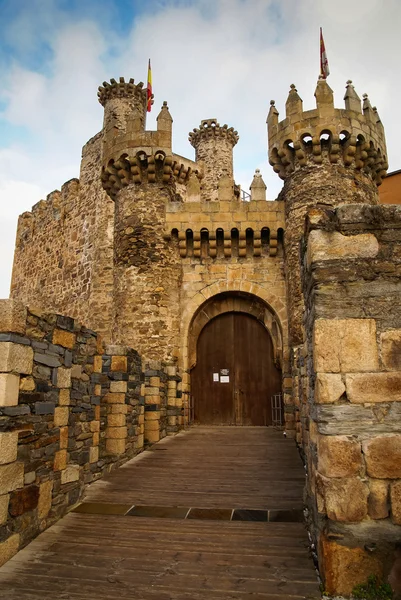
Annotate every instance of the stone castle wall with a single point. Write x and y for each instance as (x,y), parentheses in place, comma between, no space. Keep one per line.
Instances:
(64,249)
(71,409)
(348,389)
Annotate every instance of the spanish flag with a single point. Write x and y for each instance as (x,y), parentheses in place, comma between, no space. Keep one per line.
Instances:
(324,64)
(149,96)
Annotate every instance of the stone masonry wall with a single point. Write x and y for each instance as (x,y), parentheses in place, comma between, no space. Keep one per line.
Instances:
(70,411)
(64,249)
(349,390)
(215,260)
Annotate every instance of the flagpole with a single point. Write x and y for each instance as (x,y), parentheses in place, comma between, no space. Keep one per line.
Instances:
(324,63)
(149,89)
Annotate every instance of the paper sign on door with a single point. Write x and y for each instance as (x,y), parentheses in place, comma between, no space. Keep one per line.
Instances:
(224,375)
(215,377)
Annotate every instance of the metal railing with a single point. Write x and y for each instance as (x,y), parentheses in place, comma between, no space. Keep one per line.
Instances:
(277,410)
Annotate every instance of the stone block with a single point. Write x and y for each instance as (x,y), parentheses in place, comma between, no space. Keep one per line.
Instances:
(390,343)
(139,441)
(115,398)
(70,474)
(345,500)
(93,454)
(365,388)
(12,316)
(64,397)
(15,358)
(11,477)
(95,426)
(96,438)
(27,384)
(118,420)
(8,447)
(60,460)
(63,377)
(9,548)
(115,409)
(115,446)
(47,359)
(332,245)
(329,388)
(383,456)
(4,508)
(378,501)
(345,567)
(345,345)
(152,415)
(152,426)
(152,436)
(45,499)
(119,363)
(23,500)
(29,477)
(116,350)
(63,438)
(338,456)
(97,363)
(116,432)
(61,415)
(118,387)
(63,338)
(395,497)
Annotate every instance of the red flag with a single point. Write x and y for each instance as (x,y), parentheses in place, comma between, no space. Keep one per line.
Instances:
(149,95)
(324,64)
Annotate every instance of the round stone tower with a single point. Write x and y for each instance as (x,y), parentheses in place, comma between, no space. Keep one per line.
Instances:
(141,175)
(326,157)
(124,112)
(214,152)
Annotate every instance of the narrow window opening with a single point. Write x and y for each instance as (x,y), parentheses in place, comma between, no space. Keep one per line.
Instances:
(220,243)
(265,238)
(234,242)
(249,241)
(190,242)
(204,243)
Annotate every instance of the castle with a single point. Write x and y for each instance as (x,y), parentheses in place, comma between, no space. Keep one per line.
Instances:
(282,311)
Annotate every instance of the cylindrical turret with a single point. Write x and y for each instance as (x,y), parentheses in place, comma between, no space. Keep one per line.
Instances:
(325,156)
(124,112)
(141,176)
(214,151)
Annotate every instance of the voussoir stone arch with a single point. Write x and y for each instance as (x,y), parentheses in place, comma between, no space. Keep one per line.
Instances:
(225,296)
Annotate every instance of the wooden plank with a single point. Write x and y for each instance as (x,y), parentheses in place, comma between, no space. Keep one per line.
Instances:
(103,557)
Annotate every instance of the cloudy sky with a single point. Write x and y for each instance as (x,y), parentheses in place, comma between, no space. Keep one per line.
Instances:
(210,58)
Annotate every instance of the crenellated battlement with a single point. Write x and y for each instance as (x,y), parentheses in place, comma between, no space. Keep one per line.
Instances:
(124,125)
(121,89)
(213,145)
(144,168)
(352,136)
(210,128)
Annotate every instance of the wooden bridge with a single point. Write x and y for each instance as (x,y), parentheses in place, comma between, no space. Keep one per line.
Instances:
(214,513)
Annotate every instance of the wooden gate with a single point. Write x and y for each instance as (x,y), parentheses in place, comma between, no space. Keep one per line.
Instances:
(235,375)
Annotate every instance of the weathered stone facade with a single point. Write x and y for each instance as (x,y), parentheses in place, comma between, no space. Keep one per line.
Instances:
(71,409)
(349,399)
(148,247)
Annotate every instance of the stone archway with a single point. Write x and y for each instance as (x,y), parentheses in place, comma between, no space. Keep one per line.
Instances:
(249,305)
(241,302)
(193,305)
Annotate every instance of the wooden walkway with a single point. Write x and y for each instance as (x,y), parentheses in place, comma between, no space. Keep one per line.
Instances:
(211,514)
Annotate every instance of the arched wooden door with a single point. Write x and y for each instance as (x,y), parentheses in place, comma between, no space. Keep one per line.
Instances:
(235,375)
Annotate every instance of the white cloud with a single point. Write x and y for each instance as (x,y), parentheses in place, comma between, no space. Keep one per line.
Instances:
(223,59)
